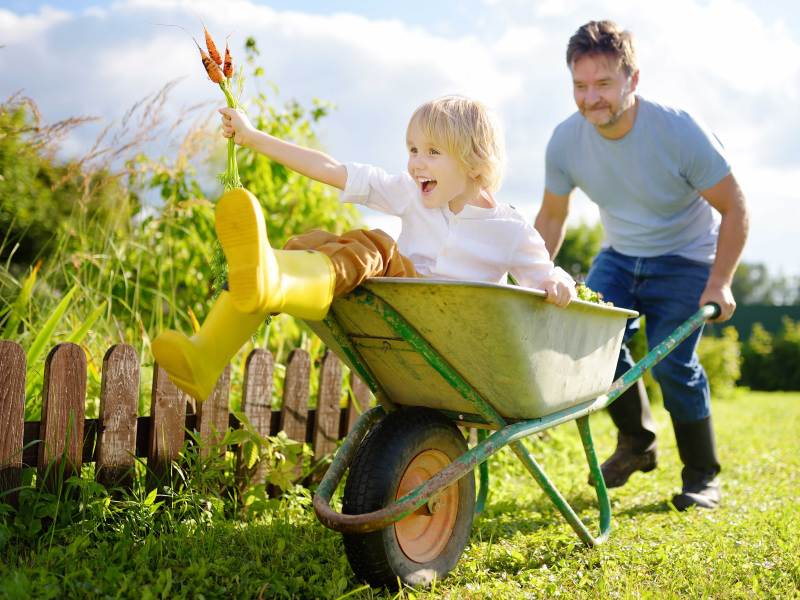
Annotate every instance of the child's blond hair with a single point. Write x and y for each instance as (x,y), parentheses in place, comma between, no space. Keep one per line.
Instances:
(467,130)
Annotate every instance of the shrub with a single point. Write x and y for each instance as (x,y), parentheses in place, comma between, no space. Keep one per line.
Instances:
(771,362)
(721,357)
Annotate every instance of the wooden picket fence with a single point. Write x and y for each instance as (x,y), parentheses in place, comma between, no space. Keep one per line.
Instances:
(64,439)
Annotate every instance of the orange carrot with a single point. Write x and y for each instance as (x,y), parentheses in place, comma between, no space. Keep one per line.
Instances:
(228,68)
(212,48)
(214,72)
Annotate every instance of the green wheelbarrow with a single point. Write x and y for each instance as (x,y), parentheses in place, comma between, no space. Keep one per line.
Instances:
(439,355)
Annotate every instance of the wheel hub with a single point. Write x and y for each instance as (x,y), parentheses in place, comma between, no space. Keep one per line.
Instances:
(423,534)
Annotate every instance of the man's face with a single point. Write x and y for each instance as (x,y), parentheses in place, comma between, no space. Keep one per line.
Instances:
(602,90)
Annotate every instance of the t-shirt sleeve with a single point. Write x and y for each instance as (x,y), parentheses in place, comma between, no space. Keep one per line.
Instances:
(557,179)
(703,160)
(531,263)
(375,188)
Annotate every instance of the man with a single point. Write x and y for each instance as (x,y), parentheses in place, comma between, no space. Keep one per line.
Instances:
(675,223)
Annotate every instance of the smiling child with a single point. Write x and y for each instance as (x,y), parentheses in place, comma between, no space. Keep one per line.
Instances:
(452,228)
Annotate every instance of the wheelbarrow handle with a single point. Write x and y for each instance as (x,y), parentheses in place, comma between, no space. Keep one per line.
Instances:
(712,310)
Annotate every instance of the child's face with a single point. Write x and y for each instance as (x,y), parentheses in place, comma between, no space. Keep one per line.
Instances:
(441,178)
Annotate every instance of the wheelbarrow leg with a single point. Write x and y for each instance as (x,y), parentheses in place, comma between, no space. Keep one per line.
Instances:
(597,478)
(483,469)
(555,496)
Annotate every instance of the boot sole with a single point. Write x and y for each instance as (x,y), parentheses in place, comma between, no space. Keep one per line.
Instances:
(242,233)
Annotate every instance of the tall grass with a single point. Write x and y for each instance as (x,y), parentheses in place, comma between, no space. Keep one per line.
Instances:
(121,266)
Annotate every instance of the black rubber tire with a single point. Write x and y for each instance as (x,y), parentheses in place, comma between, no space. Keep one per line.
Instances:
(372,484)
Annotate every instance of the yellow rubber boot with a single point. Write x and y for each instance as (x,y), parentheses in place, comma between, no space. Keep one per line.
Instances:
(263,280)
(195,363)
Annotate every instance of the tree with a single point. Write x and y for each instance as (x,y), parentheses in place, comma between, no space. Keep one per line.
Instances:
(753,284)
(581,245)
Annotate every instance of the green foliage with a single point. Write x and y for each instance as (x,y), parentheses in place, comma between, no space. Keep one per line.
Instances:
(581,244)
(42,199)
(587,294)
(771,362)
(133,277)
(520,547)
(721,358)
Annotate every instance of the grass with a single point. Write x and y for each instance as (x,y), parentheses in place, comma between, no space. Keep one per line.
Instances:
(520,548)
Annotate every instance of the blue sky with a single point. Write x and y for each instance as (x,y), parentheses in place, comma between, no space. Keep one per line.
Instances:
(733,64)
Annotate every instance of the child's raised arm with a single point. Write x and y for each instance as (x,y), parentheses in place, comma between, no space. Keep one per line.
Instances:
(306,161)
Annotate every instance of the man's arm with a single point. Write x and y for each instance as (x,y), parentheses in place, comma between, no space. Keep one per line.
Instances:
(306,161)
(728,199)
(551,221)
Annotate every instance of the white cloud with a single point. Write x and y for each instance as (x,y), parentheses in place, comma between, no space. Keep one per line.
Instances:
(16,28)
(721,60)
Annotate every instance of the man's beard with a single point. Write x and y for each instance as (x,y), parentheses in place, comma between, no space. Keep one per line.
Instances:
(613,119)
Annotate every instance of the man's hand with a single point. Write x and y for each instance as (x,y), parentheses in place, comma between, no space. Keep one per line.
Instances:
(236,125)
(719,294)
(557,292)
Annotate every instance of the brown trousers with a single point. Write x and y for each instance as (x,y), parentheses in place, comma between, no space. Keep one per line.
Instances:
(356,255)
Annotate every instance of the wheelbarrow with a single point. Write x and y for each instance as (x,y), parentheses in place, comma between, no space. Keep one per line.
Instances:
(438,355)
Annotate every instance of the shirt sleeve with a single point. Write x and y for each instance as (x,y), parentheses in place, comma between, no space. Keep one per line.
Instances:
(376,189)
(557,179)
(531,261)
(703,160)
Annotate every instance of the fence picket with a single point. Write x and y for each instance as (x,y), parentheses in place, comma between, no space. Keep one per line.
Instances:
(12,418)
(212,415)
(328,413)
(168,414)
(119,405)
(64,395)
(121,435)
(294,413)
(257,399)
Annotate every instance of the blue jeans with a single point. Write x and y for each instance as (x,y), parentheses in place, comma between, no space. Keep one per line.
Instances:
(666,290)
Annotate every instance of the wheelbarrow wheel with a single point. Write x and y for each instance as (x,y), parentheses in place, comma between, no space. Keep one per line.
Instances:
(405,449)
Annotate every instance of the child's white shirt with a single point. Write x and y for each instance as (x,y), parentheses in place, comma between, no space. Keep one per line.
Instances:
(477,244)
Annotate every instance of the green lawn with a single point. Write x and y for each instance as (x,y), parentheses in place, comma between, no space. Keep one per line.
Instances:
(520,548)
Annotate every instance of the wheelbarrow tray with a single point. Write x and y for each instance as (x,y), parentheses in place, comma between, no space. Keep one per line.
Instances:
(524,356)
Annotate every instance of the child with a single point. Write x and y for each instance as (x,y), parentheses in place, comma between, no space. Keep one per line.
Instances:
(452,228)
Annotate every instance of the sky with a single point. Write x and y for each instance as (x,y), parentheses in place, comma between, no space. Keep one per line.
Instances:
(733,64)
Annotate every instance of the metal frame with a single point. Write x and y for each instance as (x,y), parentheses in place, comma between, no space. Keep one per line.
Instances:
(506,434)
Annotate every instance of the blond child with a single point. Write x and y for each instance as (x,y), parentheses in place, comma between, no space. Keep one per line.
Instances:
(452,228)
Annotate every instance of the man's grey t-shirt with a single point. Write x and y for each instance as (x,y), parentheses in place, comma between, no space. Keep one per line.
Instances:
(645,183)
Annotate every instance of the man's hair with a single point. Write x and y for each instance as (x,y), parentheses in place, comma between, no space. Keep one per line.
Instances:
(603,37)
(468,131)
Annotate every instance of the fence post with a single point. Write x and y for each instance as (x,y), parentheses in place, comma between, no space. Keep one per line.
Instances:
(64,395)
(294,413)
(119,405)
(168,422)
(328,414)
(12,418)
(212,415)
(257,402)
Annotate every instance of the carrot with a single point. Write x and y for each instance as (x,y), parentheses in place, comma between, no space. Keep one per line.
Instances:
(214,72)
(212,48)
(228,68)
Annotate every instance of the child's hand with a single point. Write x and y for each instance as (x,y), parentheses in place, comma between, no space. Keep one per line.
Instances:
(558,293)
(236,125)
